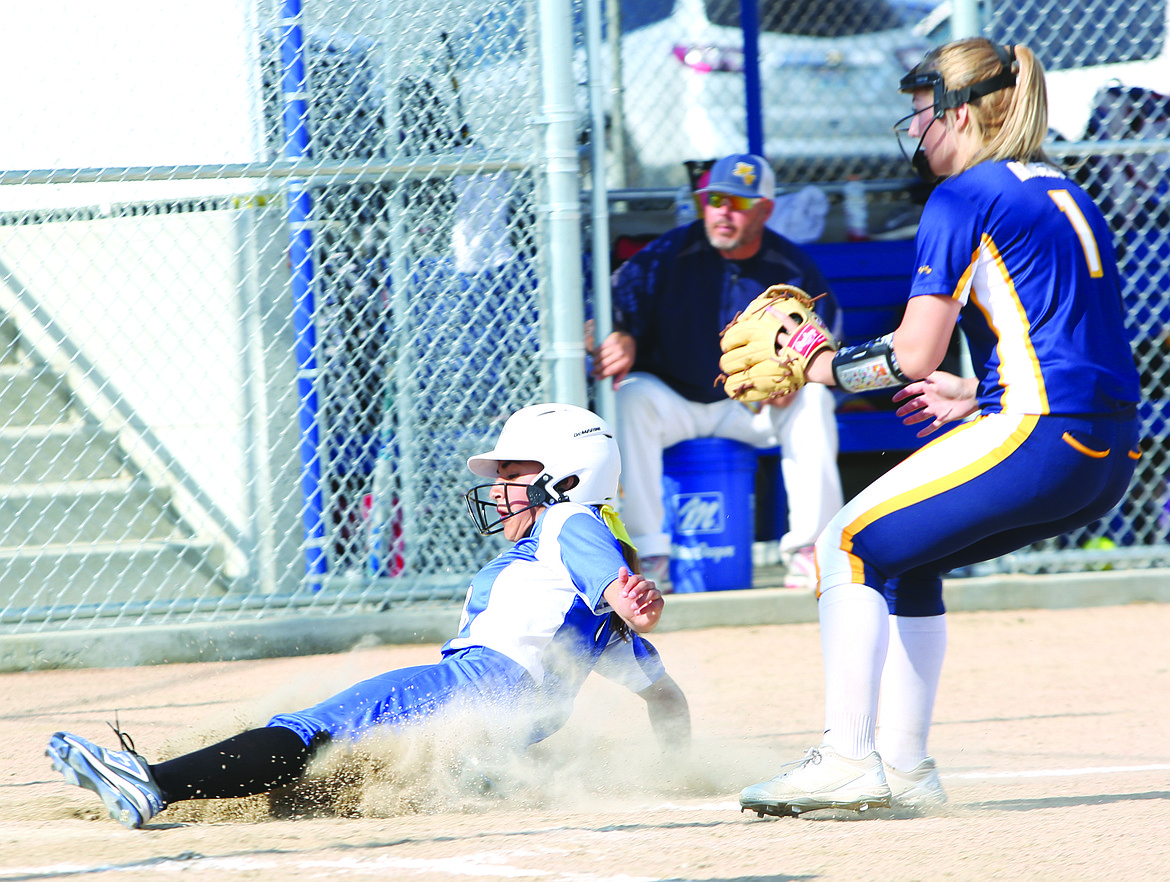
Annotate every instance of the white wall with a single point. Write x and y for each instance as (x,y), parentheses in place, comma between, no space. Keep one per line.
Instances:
(124,83)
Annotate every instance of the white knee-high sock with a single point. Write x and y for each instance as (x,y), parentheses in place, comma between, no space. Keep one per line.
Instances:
(909,684)
(854,634)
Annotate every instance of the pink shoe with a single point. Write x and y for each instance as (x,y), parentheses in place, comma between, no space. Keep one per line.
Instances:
(656,568)
(802,569)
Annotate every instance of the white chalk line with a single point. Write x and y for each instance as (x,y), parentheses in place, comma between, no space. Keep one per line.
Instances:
(967,776)
(1058,773)
(496,864)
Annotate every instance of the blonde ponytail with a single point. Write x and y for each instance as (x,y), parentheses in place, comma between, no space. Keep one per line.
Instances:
(1016,125)
(1012,123)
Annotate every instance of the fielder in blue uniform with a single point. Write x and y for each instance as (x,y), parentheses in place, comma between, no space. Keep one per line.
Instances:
(1019,255)
(560,602)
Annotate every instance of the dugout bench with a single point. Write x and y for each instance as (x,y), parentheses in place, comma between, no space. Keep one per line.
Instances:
(871,281)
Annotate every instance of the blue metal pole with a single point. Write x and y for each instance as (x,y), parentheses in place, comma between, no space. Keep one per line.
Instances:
(749,19)
(300,212)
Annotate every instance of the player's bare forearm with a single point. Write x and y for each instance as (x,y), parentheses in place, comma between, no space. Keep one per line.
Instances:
(670,715)
(820,369)
(637,600)
(922,337)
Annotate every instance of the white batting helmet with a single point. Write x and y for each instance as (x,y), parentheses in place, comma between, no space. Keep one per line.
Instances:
(567,441)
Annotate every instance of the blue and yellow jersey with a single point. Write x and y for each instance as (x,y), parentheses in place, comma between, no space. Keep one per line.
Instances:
(1030,258)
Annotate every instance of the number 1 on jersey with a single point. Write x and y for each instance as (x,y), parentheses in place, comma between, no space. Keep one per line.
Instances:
(1065,202)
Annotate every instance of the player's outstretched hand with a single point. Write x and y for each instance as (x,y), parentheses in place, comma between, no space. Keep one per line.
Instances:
(636,599)
(941,397)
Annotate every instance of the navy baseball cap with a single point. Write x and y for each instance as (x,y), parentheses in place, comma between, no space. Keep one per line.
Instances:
(742,174)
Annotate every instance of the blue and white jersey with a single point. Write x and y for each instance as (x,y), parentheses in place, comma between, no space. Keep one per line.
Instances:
(1030,257)
(534,625)
(541,603)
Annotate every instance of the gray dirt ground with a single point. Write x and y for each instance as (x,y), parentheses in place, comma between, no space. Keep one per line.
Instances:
(1051,734)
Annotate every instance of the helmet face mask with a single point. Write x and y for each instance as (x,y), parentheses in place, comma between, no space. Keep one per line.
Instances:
(483,508)
(569,443)
(916,81)
(917,157)
(943,100)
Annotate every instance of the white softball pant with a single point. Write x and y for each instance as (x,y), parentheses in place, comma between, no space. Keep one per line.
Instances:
(651,417)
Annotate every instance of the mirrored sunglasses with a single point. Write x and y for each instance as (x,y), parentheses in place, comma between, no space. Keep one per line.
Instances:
(737,203)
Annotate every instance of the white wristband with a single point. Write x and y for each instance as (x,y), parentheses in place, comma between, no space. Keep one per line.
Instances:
(870,365)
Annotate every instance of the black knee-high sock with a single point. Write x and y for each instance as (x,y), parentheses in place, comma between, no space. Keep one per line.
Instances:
(253,762)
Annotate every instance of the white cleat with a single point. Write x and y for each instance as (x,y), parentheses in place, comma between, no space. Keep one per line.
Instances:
(822,780)
(918,789)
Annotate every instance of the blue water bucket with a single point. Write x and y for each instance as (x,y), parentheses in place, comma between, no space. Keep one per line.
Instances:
(709,490)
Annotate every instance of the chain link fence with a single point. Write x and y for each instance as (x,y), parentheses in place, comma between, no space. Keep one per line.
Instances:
(827,81)
(1109,99)
(827,76)
(261,398)
(247,352)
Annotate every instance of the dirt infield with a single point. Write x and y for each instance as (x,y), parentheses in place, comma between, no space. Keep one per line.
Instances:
(1052,735)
